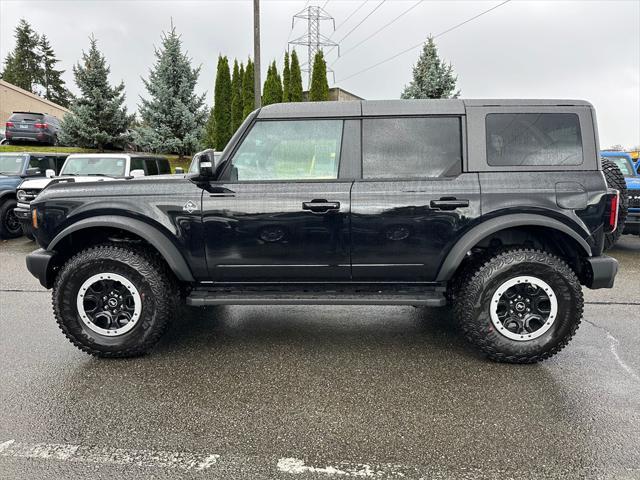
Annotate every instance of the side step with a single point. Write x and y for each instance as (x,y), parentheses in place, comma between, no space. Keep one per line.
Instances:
(320,295)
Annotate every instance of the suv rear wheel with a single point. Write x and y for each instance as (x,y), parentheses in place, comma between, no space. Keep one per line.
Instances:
(520,306)
(114,301)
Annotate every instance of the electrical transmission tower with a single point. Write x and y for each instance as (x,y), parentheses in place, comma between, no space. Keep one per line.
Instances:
(313,39)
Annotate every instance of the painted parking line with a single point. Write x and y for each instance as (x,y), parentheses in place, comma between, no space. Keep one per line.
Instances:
(343,469)
(106,455)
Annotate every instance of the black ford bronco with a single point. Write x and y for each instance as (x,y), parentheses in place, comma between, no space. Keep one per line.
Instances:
(498,208)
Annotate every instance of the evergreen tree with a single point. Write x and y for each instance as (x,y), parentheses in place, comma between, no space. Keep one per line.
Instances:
(55,89)
(272,91)
(248,89)
(236,97)
(22,65)
(209,131)
(173,116)
(431,77)
(98,117)
(295,79)
(319,90)
(222,104)
(286,79)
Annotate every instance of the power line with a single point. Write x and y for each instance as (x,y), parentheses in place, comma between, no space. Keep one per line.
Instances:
(349,16)
(422,42)
(325,4)
(360,23)
(379,30)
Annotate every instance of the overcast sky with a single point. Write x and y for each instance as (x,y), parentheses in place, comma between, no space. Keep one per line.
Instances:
(523,49)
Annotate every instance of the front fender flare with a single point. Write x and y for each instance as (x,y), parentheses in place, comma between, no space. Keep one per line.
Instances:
(470,239)
(151,234)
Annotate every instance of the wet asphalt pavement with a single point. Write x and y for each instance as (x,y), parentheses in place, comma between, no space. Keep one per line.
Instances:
(317,392)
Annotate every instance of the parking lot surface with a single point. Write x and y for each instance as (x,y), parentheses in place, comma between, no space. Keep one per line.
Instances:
(317,392)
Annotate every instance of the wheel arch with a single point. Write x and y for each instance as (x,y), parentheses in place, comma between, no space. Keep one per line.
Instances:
(149,233)
(485,230)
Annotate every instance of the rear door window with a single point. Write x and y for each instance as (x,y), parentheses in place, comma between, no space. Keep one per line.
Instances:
(411,147)
(533,139)
(152,166)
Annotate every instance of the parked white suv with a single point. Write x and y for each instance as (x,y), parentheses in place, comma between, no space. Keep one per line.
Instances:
(88,167)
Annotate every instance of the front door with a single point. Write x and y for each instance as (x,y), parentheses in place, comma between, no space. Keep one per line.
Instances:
(412,202)
(282,214)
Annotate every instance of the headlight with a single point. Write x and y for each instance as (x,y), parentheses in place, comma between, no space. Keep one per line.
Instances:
(22,195)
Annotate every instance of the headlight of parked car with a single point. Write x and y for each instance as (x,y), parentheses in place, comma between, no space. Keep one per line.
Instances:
(22,195)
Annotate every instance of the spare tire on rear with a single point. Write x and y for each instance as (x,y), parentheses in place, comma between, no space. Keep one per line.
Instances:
(615,179)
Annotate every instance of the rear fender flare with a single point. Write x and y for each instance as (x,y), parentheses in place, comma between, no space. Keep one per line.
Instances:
(474,236)
(151,234)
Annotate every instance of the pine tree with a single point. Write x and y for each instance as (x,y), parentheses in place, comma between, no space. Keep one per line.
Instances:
(222,104)
(431,77)
(98,117)
(295,85)
(22,65)
(248,89)
(236,97)
(319,90)
(55,89)
(286,79)
(209,131)
(272,91)
(173,116)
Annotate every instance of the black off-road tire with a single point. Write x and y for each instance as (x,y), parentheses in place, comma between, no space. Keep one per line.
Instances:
(472,305)
(615,179)
(27,232)
(9,224)
(157,288)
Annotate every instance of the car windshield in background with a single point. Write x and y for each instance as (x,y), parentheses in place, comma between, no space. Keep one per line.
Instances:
(108,166)
(26,117)
(11,164)
(624,166)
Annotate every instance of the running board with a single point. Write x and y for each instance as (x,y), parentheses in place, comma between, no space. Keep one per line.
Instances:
(201,297)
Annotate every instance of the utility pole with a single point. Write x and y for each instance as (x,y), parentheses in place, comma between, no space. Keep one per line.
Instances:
(313,39)
(257,83)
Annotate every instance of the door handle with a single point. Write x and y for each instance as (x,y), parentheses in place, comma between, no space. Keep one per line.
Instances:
(449,203)
(320,206)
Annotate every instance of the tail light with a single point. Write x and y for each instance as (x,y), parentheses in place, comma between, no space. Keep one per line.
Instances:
(9,125)
(611,212)
(41,125)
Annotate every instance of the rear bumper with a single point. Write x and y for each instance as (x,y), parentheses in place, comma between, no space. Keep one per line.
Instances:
(632,224)
(602,272)
(29,136)
(39,264)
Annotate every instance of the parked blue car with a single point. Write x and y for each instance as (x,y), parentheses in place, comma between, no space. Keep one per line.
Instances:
(14,167)
(632,178)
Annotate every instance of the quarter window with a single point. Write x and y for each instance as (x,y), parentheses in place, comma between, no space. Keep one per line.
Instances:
(411,147)
(533,139)
(290,150)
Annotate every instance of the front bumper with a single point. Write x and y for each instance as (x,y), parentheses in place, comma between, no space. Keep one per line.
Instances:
(23,214)
(601,272)
(40,265)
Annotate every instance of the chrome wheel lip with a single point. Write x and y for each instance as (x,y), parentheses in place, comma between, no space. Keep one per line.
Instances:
(548,321)
(86,319)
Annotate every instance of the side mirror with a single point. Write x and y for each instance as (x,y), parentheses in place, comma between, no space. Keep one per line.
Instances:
(50,173)
(137,173)
(208,163)
(179,170)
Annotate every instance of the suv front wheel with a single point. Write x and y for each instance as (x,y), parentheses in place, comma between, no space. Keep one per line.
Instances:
(114,301)
(520,306)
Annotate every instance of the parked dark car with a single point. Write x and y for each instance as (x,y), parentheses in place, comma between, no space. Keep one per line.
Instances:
(32,127)
(497,207)
(14,168)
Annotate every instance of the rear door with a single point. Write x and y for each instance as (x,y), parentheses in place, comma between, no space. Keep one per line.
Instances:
(413,201)
(282,214)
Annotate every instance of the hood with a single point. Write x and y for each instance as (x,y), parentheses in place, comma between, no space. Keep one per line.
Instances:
(9,182)
(40,183)
(633,183)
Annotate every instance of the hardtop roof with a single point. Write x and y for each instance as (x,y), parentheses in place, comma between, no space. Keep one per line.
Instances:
(400,107)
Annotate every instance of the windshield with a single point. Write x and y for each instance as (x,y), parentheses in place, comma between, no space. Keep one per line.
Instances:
(108,166)
(624,165)
(11,164)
